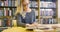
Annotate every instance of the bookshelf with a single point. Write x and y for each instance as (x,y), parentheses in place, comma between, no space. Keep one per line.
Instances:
(48,11)
(7,12)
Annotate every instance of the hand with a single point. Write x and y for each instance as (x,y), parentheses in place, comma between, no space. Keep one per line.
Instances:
(27,25)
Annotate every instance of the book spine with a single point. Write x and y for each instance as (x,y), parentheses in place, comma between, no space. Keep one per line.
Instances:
(6,3)
(50,21)
(46,13)
(0,22)
(13,3)
(0,3)
(13,11)
(4,11)
(5,22)
(40,13)
(41,21)
(9,3)
(1,13)
(8,22)
(10,13)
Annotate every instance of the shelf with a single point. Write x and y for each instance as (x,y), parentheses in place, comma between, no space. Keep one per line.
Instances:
(46,16)
(46,8)
(33,0)
(10,0)
(41,8)
(46,0)
(3,0)
(34,7)
(5,16)
(8,7)
(5,27)
(49,0)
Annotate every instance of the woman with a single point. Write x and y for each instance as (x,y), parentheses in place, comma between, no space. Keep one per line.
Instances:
(27,16)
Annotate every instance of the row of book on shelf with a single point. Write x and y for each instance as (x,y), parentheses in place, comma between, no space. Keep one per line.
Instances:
(45,12)
(43,4)
(7,11)
(6,22)
(48,21)
(8,3)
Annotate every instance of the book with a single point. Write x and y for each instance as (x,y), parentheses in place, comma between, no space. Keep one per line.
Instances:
(13,3)
(46,13)
(9,2)
(6,3)
(5,12)
(8,22)
(40,13)
(4,22)
(41,21)
(50,21)
(0,3)
(16,3)
(13,11)
(0,22)
(1,13)
(10,13)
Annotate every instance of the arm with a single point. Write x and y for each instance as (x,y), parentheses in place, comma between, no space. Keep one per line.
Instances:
(19,20)
(33,17)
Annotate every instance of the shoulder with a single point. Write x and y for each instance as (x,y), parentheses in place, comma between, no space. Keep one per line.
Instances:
(33,11)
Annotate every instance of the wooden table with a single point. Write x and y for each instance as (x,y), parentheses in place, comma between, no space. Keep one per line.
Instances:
(51,26)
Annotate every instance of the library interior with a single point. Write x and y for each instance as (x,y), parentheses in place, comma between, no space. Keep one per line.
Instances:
(29,16)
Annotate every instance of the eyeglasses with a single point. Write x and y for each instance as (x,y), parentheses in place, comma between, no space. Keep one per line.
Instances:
(26,5)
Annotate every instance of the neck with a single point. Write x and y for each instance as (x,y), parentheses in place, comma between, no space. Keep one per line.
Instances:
(28,9)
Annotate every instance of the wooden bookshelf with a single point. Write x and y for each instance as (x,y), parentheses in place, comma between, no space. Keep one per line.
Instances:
(6,19)
(55,9)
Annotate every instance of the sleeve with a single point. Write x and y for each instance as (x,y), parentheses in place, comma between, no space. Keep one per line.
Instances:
(33,17)
(19,20)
